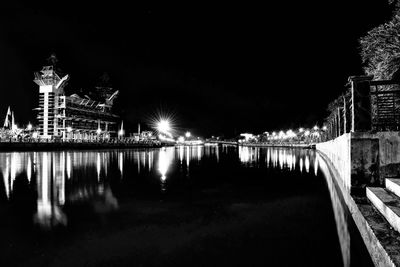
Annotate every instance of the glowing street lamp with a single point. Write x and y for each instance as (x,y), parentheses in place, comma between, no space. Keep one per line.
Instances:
(315,128)
(164,126)
(301,130)
(98,131)
(29,127)
(121,132)
(69,129)
(181,139)
(307,133)
(187,134)
(324,128)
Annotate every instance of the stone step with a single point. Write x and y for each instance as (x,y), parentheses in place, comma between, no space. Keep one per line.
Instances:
(393,185)
(387,203)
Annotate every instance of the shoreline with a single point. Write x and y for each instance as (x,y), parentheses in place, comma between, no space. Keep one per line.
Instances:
(310,146)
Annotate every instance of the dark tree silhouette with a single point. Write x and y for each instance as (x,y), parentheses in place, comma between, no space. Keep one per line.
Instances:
(380,48)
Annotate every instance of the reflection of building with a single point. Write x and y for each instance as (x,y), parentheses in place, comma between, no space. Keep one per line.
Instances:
(72,117)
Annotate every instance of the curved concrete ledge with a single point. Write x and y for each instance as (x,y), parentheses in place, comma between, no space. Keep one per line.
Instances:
(381,240)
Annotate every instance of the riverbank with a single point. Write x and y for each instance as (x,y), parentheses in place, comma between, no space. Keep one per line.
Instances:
(380,238)
(286,145)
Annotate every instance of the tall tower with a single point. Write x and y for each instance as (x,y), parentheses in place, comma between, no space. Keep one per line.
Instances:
(51,102)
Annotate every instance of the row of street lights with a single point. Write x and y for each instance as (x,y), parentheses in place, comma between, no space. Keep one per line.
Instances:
(302,134)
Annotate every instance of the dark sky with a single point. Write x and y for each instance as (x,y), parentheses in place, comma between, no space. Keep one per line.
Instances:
(220,68)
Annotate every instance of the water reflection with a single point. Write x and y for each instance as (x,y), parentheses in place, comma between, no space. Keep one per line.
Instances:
(76,177)
(290,159)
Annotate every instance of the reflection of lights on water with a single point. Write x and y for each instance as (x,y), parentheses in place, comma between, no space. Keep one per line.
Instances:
(244,154)
(121,163)
(307,164)
(316,165)
(278,158)
(48,213)
(13,168)
(69,165)
(164,161)
(187,156)
(281,158)
(301,165)
(181,153)
(6,176)
(98,166)
(29,169)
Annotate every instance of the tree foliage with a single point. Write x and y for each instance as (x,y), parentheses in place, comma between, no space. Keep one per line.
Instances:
(380,48)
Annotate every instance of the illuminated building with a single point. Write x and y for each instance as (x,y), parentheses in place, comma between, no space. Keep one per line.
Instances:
(73,116)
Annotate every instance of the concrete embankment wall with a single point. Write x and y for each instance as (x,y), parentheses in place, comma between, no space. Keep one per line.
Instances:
(364,159)
(357,160)
(389,152)
(375,234)
(339,153)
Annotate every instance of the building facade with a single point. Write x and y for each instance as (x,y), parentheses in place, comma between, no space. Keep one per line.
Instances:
(73,117)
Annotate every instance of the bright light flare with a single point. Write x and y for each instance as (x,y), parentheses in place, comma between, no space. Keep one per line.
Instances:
(188,134)
(164,126)
(163,122)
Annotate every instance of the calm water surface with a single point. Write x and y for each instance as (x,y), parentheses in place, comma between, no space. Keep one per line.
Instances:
(185,206)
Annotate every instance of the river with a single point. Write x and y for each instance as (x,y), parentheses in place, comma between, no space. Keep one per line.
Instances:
(174,206)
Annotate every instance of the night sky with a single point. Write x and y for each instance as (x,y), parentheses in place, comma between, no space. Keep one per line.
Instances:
(221,69)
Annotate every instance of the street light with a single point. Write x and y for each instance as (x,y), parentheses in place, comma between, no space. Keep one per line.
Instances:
(29,127)
(163,126)
(69,129)
(187,134)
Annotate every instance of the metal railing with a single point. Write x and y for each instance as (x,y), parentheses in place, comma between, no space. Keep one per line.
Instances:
(366,105)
